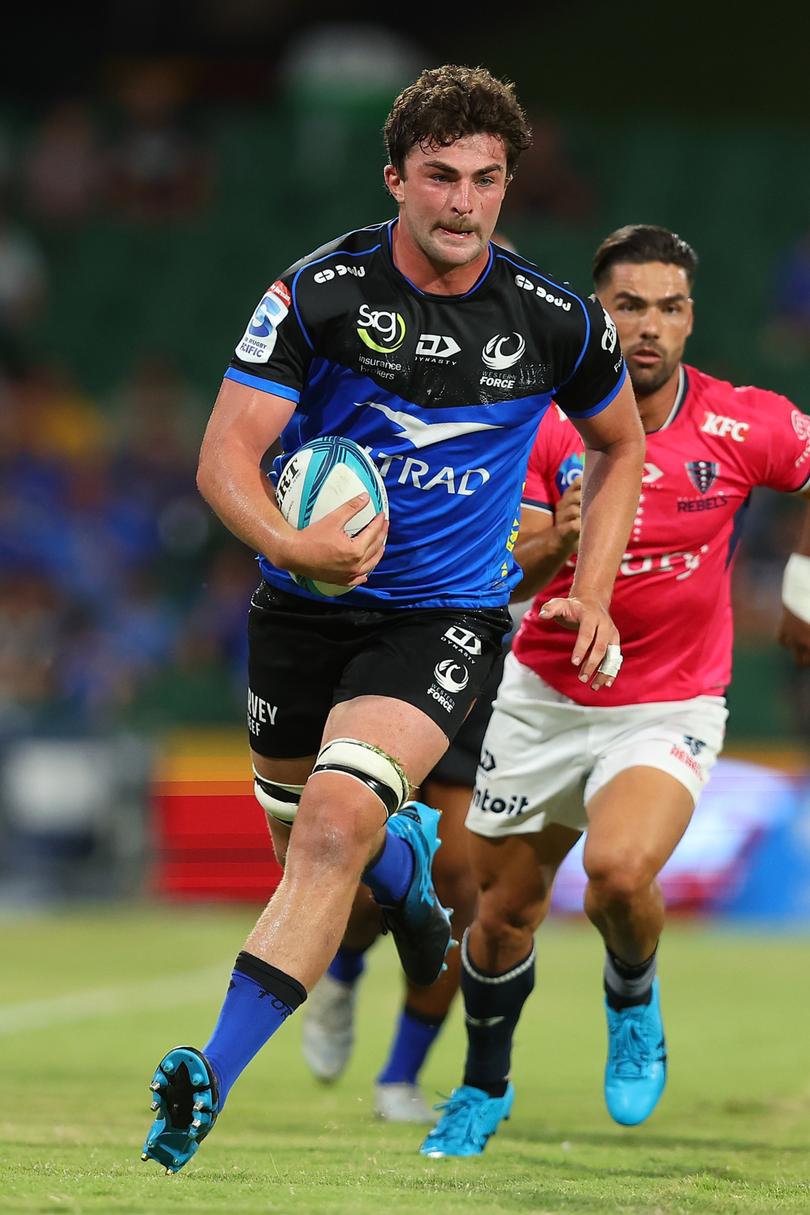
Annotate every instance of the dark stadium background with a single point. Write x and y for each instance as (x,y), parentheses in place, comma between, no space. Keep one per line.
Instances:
(159,164)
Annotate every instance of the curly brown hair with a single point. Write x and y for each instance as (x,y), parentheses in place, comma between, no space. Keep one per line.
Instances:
(446,103)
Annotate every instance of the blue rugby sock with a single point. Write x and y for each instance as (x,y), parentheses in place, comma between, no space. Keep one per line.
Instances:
(259,1000)
(389,876)
(347,965)
(414,1037)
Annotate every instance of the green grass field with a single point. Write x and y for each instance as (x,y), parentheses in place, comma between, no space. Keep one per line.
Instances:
(88,1003)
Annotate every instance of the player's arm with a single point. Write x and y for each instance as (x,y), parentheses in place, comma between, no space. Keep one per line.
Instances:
(614,444)
(794,626)
(546,540)
(245,421)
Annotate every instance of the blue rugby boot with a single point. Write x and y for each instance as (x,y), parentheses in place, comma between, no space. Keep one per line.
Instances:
(420,926)
(636,1069)
(187,1104)
(469,1120)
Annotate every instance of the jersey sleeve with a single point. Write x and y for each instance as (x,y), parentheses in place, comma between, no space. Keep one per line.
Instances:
(597,370)
(785,462)
(274,352)
(553,462)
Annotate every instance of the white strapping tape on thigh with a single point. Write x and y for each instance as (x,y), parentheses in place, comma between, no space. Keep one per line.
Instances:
(362,761)
(270,796)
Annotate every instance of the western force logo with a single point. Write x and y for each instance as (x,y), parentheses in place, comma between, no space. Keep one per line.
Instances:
(380,331)
(497,355)
(570,471)
(436,346)
(259,338)
(451,675)
(702,474)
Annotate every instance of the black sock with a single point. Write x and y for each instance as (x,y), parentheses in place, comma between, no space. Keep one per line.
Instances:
(627,985)
(492,1006)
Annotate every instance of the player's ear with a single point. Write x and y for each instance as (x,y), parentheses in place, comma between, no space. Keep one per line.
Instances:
(690,303)
(393,183)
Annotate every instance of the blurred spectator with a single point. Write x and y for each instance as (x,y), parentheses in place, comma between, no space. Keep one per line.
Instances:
(787,334)
(23,291)
(160,168)
(549,185)
(64,168)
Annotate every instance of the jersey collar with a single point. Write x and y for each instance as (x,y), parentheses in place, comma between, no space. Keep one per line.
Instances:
(479,282)
(680,397)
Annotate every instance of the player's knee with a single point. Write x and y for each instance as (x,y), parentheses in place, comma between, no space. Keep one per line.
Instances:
(367,765)
(455,885)
(329,835)
(504,922)
(620,877)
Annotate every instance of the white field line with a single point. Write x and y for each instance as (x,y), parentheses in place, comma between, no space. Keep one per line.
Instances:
(107,1001)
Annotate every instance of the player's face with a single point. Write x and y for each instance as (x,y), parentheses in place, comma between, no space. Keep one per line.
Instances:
(653,313)
(450,197)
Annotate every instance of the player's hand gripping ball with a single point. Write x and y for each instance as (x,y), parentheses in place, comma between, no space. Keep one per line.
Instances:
(321,476)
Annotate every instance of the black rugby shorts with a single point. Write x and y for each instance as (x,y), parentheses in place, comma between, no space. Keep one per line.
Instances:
(304,657)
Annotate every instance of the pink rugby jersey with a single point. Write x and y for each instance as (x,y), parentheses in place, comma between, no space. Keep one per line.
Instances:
(672,597)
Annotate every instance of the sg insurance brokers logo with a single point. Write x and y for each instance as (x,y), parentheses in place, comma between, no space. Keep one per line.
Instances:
(383,332)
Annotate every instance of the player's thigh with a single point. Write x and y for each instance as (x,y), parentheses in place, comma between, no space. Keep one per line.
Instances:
(534,760)
(297,651)
(409,688)
(636,821)
(652,763)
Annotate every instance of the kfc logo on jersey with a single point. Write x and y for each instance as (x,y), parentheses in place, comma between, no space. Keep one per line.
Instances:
(496,353)
(725,428)
(702,474)
(259,339)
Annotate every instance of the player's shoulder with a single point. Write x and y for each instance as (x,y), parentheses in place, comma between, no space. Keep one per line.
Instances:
(549,297)
(723,405)
(347,256)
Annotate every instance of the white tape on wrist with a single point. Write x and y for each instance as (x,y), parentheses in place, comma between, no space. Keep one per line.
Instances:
(796,586)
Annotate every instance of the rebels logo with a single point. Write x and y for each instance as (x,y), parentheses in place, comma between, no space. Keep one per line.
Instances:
(702,474)
(725,428)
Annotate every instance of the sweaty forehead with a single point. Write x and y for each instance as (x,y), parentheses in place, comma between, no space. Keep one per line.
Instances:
(647,280)
(469,154)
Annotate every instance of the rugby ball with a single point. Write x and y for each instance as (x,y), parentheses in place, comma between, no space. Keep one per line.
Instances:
(319,477)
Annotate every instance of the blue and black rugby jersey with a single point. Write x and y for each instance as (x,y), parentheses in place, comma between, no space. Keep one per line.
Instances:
(444,392)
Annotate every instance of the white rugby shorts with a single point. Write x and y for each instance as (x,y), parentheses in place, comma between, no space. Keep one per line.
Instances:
(544,756)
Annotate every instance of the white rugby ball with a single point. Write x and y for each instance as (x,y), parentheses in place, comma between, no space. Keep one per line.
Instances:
(319,477)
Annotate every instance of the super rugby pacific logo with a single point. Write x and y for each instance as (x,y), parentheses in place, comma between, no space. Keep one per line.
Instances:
(383,332)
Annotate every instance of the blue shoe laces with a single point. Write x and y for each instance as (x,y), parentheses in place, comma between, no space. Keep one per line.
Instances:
(631,1048)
